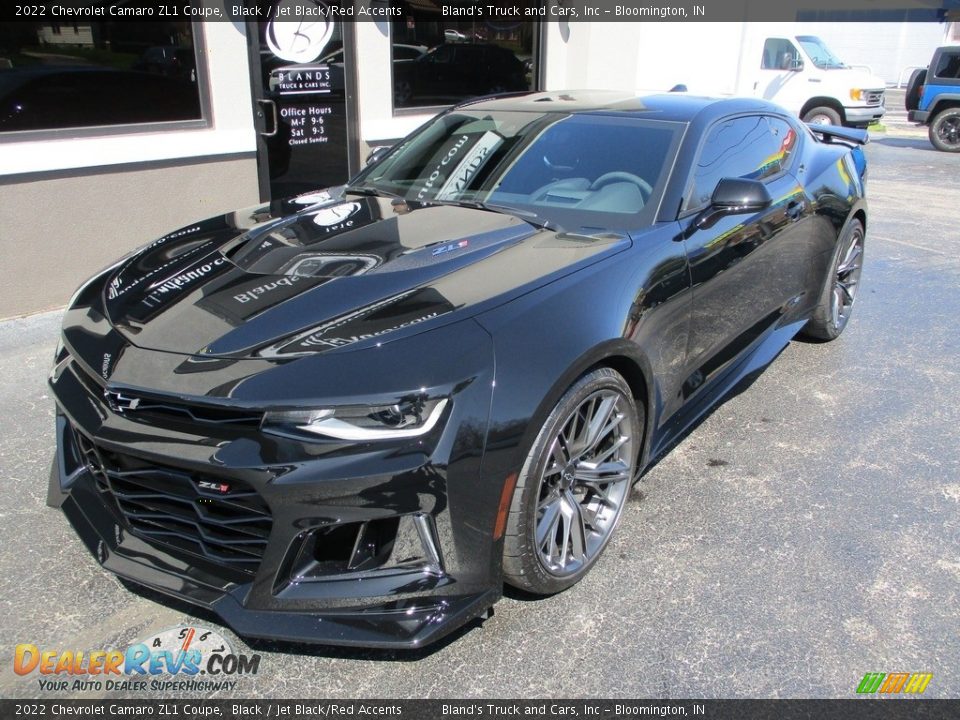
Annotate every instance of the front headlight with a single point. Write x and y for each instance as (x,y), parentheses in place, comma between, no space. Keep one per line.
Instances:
(406,419)
(856,93)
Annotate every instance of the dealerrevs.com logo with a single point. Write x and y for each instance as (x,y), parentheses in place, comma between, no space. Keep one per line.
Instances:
(180,658)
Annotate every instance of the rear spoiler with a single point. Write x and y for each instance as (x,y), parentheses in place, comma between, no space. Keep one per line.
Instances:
(843,135)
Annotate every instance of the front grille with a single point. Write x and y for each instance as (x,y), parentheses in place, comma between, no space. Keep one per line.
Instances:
(224,521)
(874,97)
(137,406)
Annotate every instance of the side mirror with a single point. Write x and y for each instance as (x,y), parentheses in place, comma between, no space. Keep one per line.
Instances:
(377,153)
(791,61)
(734,196)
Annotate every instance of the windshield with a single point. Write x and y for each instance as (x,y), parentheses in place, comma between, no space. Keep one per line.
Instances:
(570,171)
(819,53)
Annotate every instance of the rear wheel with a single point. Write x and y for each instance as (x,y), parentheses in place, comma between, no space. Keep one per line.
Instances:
(840,287)
(822,116)
(945,130)
(574,484)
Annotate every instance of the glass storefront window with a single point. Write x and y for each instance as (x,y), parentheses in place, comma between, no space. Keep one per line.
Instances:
(93,74)
(441,60)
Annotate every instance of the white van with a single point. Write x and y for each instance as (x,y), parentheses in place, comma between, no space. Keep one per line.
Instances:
(775,61)
(800,73)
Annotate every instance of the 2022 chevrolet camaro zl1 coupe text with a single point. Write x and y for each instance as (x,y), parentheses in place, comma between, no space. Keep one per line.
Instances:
(349,417)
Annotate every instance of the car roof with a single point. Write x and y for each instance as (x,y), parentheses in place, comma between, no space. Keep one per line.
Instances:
(674,106)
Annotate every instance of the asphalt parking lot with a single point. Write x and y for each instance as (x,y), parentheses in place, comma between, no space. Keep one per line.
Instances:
(804,534)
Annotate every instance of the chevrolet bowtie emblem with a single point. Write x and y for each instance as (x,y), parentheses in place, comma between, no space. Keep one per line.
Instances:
(119,402)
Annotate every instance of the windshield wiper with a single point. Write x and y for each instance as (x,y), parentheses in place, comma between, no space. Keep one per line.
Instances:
(526,215)
(372,191)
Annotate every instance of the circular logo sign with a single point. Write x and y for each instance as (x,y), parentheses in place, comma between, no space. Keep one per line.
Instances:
(299,41)
(312,198)
(329,216)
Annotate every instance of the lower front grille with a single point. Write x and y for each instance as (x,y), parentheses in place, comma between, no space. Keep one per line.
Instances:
(224,521)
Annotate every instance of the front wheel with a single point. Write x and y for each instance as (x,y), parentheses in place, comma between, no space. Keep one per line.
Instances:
(822,116)
(574,484)
(945,130)
(840,287)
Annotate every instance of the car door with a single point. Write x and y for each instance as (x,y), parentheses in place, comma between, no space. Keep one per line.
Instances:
(746,269)
(779,78)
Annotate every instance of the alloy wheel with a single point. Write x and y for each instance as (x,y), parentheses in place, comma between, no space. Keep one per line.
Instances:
(949,131)
(846,280)
(585,483)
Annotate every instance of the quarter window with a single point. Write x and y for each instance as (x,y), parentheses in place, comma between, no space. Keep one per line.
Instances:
(753,147)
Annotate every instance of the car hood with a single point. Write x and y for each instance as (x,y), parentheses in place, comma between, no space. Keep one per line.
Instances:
(299,276)
(857,78)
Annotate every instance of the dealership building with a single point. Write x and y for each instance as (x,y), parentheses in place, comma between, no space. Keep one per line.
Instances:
(116,131)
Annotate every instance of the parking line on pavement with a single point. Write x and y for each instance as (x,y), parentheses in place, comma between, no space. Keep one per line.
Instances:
(914,245)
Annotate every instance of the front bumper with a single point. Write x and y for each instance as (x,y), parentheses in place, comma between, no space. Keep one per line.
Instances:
(437,570)
(860,114)
(407,623)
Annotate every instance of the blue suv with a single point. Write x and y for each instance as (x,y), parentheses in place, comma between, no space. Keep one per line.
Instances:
(933,98)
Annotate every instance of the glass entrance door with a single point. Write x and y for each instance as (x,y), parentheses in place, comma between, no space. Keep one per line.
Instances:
(302,91)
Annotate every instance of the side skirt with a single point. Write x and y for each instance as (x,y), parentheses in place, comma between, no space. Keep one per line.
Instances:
(755,360)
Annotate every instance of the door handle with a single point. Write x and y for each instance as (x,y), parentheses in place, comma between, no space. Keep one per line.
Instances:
(272,106)
(795,210)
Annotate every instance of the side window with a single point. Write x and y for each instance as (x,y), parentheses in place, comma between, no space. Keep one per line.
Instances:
(948,67)
(778,54)
(753,147)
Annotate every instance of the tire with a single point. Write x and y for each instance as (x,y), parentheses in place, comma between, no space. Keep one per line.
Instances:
(822,115)
(840,286)
(945,130)
(574,485)
(911,100)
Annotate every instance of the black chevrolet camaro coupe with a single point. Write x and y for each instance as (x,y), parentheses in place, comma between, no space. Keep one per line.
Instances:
(350,417)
